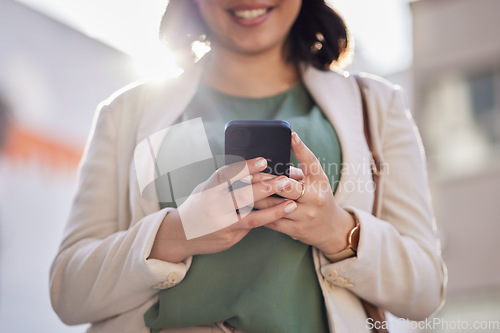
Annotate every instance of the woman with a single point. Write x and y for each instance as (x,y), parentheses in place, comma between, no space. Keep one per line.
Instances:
(292,264)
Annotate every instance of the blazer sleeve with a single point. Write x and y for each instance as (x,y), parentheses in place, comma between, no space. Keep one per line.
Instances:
(102,270)
(398,265)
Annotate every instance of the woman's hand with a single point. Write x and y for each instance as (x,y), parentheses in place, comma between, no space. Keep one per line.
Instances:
(212,206)
(318,219)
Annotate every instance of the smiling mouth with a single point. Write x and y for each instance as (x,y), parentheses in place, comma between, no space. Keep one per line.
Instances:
(250,14)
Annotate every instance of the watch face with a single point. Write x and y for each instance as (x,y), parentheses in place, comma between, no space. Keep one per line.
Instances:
(355,238)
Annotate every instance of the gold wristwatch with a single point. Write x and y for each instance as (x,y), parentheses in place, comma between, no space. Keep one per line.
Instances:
(352,244)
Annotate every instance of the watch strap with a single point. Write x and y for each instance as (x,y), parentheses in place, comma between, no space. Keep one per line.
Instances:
(352,244)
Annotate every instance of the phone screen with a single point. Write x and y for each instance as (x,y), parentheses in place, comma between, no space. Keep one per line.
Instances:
(271,139)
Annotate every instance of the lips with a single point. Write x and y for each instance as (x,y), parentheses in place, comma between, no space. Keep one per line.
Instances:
(250,15)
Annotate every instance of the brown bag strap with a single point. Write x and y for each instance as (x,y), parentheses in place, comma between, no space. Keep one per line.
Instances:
(376,163)
(376,315)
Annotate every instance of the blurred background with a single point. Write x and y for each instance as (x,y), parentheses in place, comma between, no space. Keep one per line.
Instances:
(60,58)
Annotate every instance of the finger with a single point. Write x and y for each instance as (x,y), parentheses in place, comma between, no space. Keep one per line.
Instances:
(296,215)
(258,177)
(268,202)
(262,217)
(248,195)
(236,171)
(292,191)
(296,173)
(286,226)
(309,164)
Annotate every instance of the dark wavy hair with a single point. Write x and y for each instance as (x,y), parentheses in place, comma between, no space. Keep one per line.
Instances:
(318,37)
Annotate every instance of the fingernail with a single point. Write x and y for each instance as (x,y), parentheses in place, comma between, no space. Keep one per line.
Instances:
(296,138)
(290,207)
(260,163)
(282,183)
(247,179)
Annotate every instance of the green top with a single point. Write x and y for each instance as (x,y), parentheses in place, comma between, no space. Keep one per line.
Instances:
(267,281)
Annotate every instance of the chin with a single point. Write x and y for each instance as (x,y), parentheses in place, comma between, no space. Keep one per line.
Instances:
(255,47)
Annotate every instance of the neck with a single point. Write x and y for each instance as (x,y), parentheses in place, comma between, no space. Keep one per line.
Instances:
(255,75)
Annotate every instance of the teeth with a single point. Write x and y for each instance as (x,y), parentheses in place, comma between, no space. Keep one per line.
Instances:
(250,14)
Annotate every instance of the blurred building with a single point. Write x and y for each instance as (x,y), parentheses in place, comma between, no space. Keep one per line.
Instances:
(4,120)
(456,74)
(52,77)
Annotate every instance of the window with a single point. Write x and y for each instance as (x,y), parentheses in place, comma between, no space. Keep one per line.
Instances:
(461,121)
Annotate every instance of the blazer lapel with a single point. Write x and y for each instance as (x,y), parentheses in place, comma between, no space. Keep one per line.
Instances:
(338,97)
(165,104)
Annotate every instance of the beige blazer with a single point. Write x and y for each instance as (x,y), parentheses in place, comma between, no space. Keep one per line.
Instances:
(101,275)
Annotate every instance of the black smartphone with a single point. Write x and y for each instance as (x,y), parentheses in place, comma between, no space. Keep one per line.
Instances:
(271,139)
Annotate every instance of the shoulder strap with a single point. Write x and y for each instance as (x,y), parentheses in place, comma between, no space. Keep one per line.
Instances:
(366,124)
(377,315)
(376,161)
